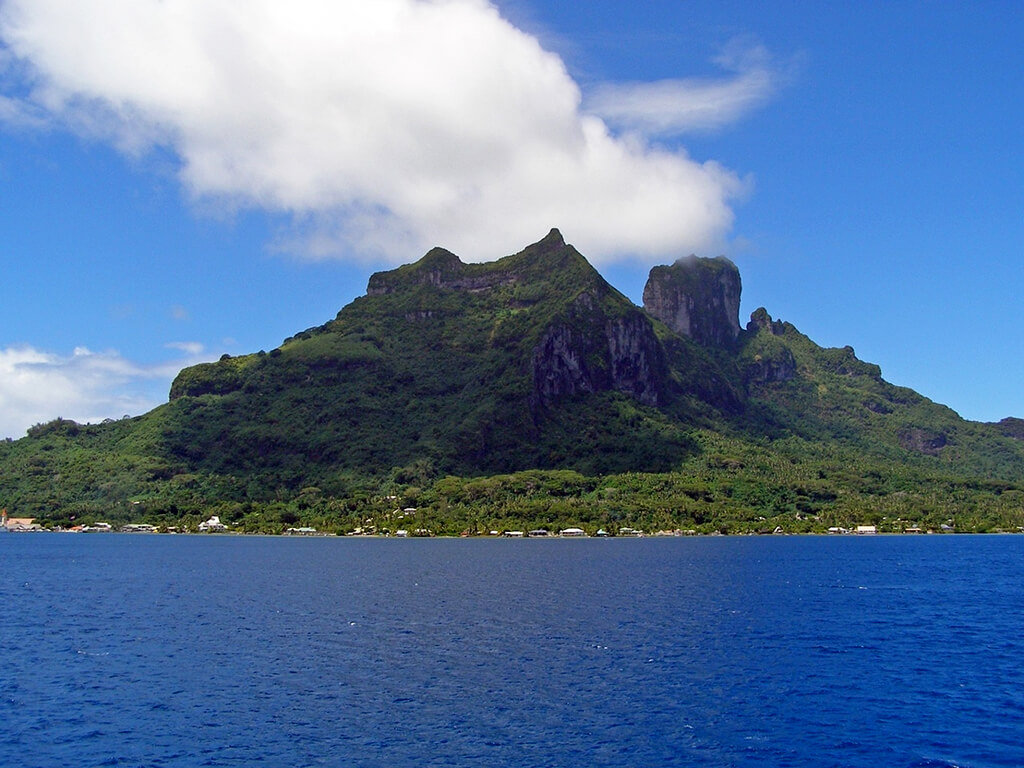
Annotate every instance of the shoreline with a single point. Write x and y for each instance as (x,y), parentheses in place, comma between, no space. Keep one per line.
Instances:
(659,535)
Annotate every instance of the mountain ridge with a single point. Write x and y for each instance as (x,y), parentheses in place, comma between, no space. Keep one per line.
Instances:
(531,363)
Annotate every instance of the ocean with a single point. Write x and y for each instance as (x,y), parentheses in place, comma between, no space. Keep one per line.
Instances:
(162,650)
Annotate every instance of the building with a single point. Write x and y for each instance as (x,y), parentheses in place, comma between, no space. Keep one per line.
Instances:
(19,524)
(212,525)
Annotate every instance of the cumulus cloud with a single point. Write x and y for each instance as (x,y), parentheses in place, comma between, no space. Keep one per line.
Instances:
(671,107)
(382,128)
(37,386)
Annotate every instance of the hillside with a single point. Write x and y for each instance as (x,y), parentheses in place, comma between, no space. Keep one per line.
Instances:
(529,391)
(459,369)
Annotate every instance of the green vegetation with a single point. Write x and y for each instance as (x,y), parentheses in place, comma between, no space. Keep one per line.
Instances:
(526,393)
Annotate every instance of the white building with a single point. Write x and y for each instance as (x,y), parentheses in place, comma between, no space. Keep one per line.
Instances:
(213,524)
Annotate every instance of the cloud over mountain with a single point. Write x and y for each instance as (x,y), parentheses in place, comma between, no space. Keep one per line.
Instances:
(37,386)
(379,128)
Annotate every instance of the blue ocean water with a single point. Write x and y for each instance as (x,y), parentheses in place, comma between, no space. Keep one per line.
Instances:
(135,650)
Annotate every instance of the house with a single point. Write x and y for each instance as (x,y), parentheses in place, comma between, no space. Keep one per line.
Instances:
(213,524)
(19,524)
(866,529)
(572,532)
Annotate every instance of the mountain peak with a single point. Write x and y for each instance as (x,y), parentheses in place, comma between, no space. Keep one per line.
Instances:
(698,298)
(437,267)
(439,258)
(553,238)
(441,268)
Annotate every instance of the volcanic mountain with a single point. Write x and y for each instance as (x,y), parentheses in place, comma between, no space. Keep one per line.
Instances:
(531,362)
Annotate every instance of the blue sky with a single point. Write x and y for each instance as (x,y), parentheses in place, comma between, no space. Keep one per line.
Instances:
(178,180)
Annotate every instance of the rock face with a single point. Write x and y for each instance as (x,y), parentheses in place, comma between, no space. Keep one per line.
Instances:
(770,368)
(760,319)
(589,338)
(924,441)
(699,298)
(1012,427)
(773,362)
(590,352)
(439,269)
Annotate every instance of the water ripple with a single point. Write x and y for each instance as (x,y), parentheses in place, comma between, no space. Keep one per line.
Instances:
(184,651)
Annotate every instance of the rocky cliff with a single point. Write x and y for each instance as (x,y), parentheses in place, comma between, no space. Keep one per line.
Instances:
(586,337)
(588,351)
(698,298)
(439,268)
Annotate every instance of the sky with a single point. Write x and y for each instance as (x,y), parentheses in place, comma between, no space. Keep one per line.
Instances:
(180,179)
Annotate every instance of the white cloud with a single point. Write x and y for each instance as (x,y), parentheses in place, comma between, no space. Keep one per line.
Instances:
(37,386)
(671,107)
(18,114)
(191,348)
(383,127)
